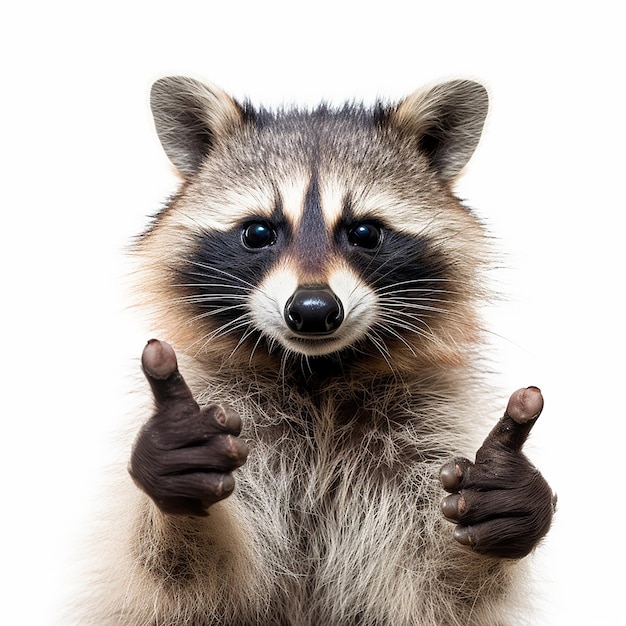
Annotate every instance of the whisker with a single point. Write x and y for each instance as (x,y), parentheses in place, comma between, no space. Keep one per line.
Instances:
(405,290)
(205,275)
(394,266)
(209,297)
(212,268)
(232,325)
(380,345)
(421,332)
(408,291)
(249,331)
(217,311)
(240,286)
(401,308)
(398,336)
(255,346)
(407,320)
(412,300)
(410,281)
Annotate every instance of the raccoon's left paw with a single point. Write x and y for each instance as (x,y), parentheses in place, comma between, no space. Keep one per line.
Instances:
(501,503)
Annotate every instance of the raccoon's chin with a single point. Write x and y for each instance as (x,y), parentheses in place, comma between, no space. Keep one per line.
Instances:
(313,345)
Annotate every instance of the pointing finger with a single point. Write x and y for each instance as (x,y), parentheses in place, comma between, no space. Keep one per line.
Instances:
(525,405)
(161,369)
(523,409)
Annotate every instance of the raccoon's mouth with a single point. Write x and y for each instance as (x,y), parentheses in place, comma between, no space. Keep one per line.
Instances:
(315,340)
(314,345)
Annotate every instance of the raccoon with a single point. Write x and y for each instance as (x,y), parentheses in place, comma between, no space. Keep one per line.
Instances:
(320,388)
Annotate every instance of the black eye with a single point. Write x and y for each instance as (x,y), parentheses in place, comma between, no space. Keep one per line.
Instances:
(258,235)
(365,235)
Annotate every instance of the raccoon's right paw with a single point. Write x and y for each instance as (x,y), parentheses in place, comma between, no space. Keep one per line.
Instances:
(184,456)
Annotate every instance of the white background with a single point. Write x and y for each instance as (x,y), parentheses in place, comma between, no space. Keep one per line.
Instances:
(82,168)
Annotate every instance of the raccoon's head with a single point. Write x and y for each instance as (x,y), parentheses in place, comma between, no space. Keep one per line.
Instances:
(312,233)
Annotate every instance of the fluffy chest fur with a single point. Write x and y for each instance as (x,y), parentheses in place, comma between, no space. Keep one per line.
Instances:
(341,495)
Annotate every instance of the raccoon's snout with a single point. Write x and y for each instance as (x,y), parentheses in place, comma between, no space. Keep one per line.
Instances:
(314,310)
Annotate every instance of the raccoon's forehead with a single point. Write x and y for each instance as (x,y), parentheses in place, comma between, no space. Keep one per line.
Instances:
(350,165)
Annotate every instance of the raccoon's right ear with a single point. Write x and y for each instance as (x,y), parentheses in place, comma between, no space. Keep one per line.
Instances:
(190,117)
(447,120)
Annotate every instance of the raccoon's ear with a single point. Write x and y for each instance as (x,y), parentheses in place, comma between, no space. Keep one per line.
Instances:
(447,120)
(190,117)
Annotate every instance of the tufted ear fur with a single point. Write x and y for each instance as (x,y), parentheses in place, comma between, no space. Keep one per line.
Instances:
(447,120)
(190,117)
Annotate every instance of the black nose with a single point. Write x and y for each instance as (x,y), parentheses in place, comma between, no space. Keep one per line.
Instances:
(314,310)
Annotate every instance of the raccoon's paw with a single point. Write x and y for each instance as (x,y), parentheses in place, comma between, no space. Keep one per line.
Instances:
(184,456)
(501,503)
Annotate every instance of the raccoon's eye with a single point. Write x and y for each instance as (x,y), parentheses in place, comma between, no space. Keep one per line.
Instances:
(258,235)
(365,235)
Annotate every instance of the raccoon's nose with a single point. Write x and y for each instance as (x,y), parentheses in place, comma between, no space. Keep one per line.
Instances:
(314,310)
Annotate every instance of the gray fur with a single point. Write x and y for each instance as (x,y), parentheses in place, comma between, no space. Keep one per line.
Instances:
(448,120)
(190,117)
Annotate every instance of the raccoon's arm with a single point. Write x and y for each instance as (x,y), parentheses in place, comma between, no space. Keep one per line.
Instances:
(183,457)
(501,503)
(184,549)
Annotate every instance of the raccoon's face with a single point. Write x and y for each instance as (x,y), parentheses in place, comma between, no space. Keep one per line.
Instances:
(315,233)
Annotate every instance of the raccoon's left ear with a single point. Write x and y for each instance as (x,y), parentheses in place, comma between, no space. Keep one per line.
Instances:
(447,120)
(190,117)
